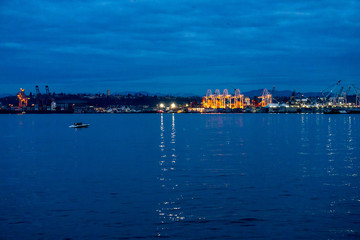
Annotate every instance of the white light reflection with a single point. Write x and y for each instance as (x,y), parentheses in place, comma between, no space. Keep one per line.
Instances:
(330,148)
(169,209)
(350,147)
(304,145)
(342,156)
(330,170)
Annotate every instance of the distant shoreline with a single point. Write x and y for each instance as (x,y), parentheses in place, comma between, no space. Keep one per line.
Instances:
(334,111)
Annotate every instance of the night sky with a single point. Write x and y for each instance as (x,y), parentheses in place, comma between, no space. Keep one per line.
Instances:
(178,46)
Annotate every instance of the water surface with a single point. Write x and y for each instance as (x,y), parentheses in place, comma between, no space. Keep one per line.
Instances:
(180,176)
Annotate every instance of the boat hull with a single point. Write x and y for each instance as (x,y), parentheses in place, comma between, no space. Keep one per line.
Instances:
(80,126)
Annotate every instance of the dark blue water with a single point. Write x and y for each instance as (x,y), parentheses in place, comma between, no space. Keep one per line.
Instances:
(182,176)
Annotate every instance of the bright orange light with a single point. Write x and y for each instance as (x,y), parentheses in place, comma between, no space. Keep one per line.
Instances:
(224,100)
(23,100)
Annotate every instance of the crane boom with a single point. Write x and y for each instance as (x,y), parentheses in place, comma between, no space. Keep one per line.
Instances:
(330,87)
(357,92)
(340,91)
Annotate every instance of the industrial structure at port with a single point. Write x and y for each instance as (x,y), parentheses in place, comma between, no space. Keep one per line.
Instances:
(134,102)
(39,102)
(236,101)
(336,98)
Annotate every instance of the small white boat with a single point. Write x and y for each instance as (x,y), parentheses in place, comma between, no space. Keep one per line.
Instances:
(79,125)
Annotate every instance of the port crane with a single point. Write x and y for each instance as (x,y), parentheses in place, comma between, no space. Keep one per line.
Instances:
(346,93)
(207,100)
(217,97)
(338,97)
(47,90)
(272,94)
(224,100)
(238,99)
(37,90)
(266,98)
(331,88)
(357,93)
(23,100)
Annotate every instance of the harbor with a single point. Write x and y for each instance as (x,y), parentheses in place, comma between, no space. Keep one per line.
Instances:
(195,120)
(335,99)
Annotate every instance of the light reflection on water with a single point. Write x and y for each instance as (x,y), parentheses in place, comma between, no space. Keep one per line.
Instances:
(169,208)
(181,176)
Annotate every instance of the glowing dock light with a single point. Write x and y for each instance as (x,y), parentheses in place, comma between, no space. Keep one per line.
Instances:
(162,105)
(173,105)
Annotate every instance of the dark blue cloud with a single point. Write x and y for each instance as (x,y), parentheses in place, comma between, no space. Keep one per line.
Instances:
(178,46)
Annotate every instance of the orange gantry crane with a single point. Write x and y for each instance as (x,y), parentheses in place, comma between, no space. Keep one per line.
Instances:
(266,98)
(23,101)
(224,100)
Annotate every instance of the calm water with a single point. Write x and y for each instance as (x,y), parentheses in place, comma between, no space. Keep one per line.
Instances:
(180,176)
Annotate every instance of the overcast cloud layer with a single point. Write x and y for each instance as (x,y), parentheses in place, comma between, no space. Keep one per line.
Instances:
(178,46)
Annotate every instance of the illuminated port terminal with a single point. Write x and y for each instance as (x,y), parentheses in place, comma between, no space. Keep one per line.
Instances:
(236,101)
(336,98)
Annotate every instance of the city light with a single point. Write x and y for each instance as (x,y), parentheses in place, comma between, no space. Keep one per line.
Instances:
(335,99)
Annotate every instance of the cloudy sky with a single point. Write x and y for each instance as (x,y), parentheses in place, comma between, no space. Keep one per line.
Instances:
(182,46)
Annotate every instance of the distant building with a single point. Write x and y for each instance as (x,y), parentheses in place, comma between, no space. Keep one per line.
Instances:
(108,92)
